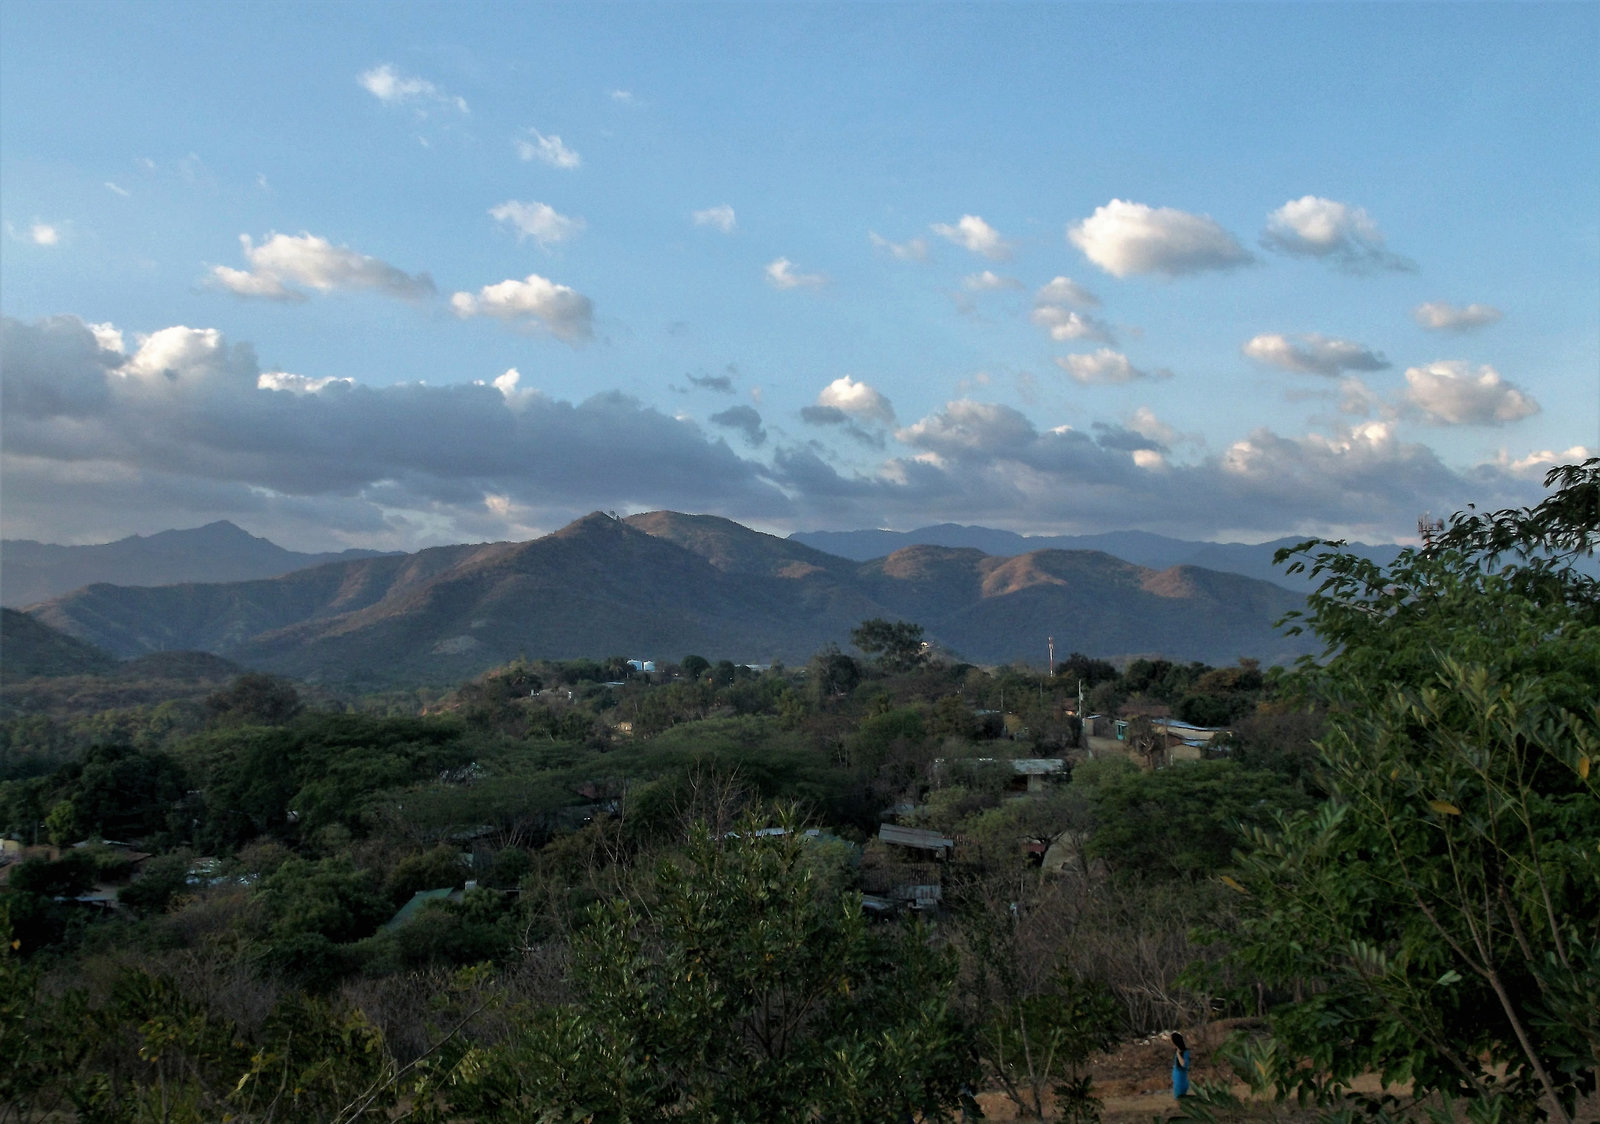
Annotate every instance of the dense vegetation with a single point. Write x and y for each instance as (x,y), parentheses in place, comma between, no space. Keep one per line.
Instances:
(571,891)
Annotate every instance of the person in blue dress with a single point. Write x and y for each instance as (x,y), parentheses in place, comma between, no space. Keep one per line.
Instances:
(1180,1066)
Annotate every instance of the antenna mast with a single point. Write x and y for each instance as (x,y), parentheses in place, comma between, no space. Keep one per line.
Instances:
(1429,528)
(1052,641)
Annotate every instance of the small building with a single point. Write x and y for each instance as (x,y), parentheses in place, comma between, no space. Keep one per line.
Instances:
(917,839)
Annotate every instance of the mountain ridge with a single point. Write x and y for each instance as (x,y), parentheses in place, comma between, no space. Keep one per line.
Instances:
(221,551)
(663,584)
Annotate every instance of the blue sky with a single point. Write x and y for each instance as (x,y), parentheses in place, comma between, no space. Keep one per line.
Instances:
(393,275)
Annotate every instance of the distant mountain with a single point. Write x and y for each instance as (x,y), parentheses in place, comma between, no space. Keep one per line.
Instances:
(31,572)
(662,585)
(1143,548)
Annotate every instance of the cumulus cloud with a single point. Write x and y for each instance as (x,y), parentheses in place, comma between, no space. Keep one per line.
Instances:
(856,400)
(315,263)
(915,249)
(539,221)
(1068,324)
(1346,236)
(781,275)
(720,217)
(1313,354)
(972,233)
(745,419)
(1450,392)
(988,282)
(1442,316)
(533,301)
(547,150)
(1125,239)
(969,429)
(1065,291)
(391,87)
(44,234)
(1105,366)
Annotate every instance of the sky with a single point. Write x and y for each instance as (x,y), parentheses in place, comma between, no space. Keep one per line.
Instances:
(396,275)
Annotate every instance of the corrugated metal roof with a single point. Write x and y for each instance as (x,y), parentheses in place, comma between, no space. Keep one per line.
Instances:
(915,837)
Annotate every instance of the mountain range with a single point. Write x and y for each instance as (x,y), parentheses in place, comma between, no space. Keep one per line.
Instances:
(661,585)
(1144,548)
(31,571)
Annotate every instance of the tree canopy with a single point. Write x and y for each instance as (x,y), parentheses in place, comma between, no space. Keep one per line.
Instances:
(1438,916)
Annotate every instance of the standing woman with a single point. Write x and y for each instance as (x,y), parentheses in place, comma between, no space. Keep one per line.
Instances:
(1180,1066)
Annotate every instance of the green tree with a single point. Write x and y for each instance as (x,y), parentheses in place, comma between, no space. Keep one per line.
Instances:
(740,986)
(1437,919)
(896,645)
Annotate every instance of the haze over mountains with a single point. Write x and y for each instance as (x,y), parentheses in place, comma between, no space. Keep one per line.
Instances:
(218,552)
(660,585)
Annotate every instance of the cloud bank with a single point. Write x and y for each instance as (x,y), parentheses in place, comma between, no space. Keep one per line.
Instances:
(114,433)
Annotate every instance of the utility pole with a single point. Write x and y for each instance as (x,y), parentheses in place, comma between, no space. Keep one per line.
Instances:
(1052,641)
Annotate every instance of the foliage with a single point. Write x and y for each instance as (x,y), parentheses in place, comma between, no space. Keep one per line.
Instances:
(1183,821)
(1438,917)
(895,645)
(739,986)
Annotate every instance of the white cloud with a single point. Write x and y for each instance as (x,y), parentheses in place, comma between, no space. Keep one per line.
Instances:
(315,263)
(243,283)
(916,249)
(1051,312)
(1313,354)
(562,311)
(1145,423)
(1125,238)
(1064,290)
(116,190)
(622,97)
(720,217)
(44,234)
(538,221)
(548,150)
(391,87)
(1450,392)
(1105,366)
(966,428)
(780,273)
(972,233)
(856,399)
(1337,232)
(107,336)
(1535,465)
(298,384)
(1067,324)
(1442,316)
(988,281)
